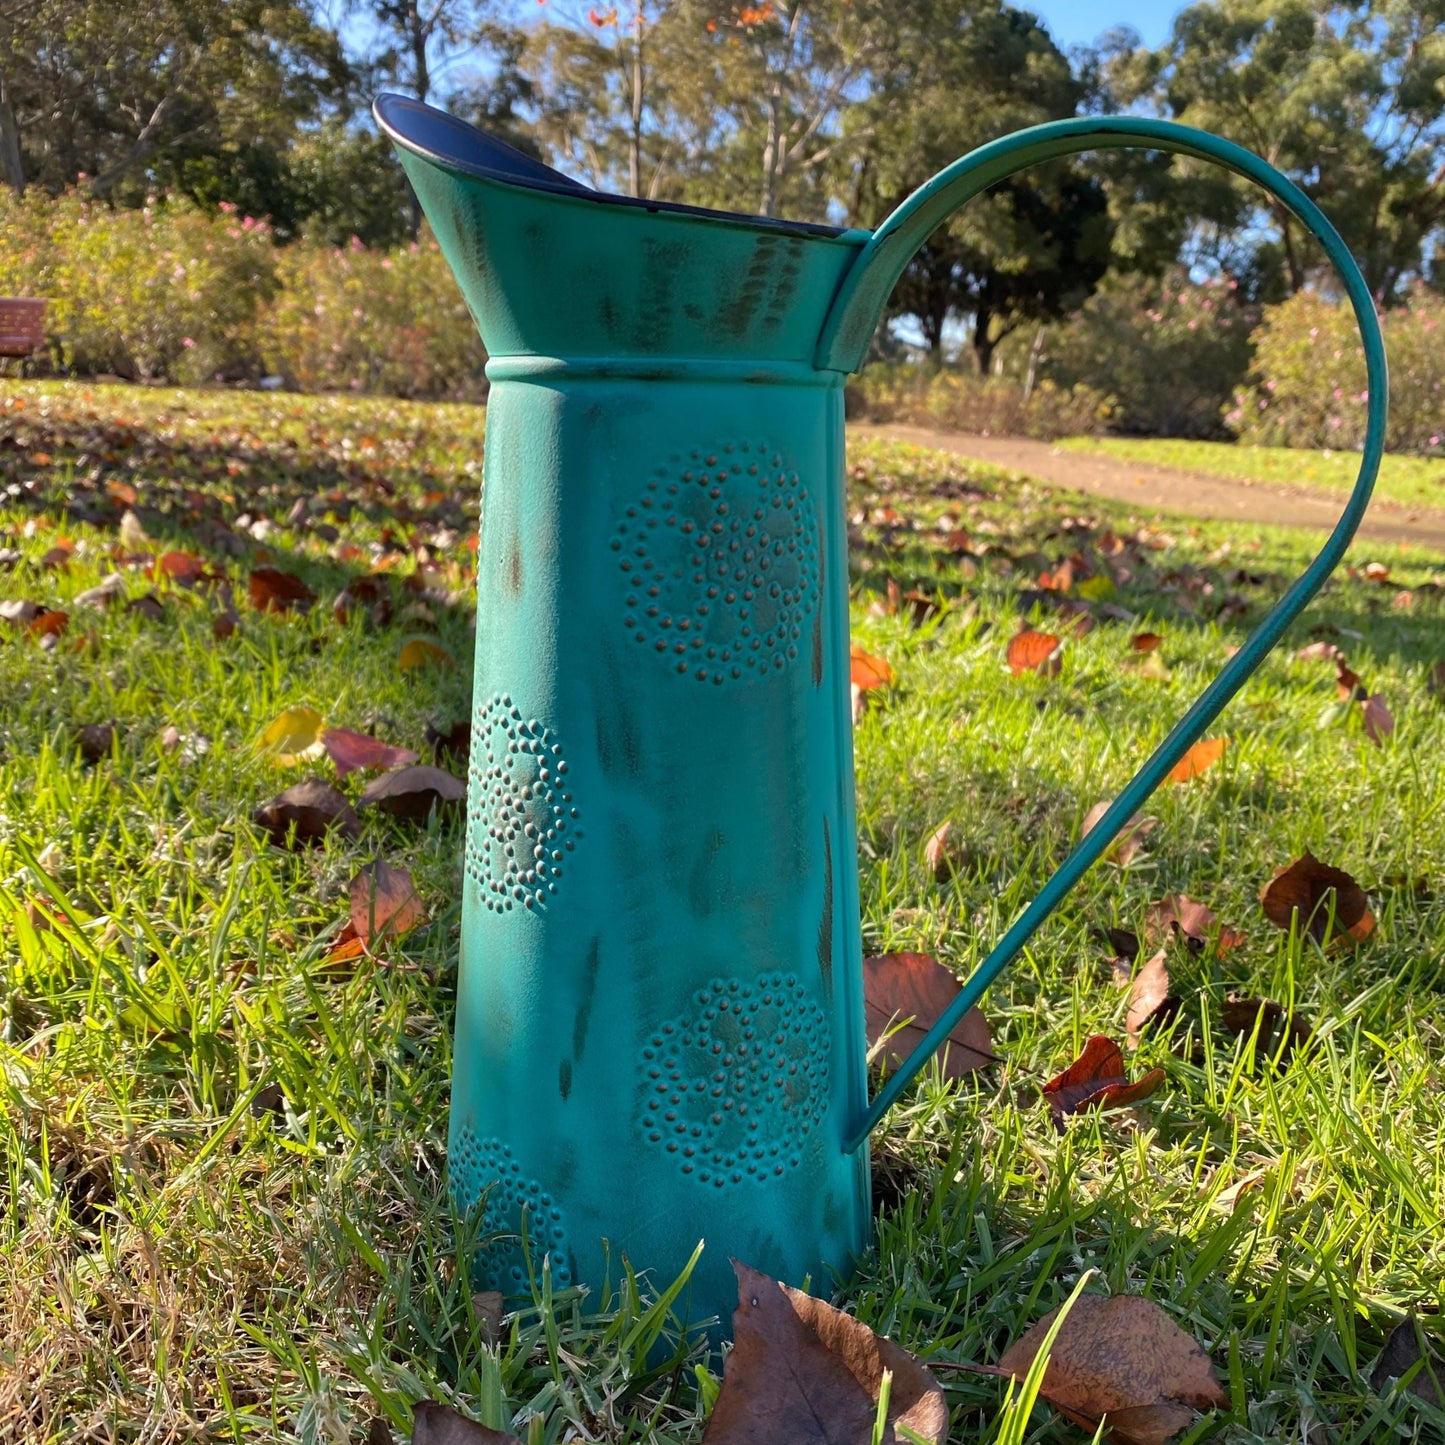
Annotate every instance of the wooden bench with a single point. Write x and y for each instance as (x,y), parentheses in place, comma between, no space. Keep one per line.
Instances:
(22,325)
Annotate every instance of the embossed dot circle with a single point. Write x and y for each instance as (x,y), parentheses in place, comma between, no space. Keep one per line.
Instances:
(515,1206)
(719,556)
(521,822)
(732,1092)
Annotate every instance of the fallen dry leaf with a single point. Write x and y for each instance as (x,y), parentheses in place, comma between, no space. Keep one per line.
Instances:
(384,904)
(1151,999)
(1379,721)
(453,745)
(1202,756)
(1146,641)
(273,590)
(95,740)
(944,854)
(312,809)
(351,751)
(1406,1348)
(1129,842)
(1278,1029)
(1306,886)
(419,652)
(436,1424)
(413,792)
(803,1372)
(916,987)
(1125,1359)
(1098,1079)
(867,671)
(294,735)
(1179,916)
(224,624)
(1347,683)
(1030,651)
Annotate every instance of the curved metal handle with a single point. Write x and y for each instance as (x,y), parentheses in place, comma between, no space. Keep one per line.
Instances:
(844,343)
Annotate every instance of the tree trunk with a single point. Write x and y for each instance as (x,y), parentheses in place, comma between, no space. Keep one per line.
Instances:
(1036,356)
(634,147)
(145,145)
(12,172)
(770,154)
(983,343)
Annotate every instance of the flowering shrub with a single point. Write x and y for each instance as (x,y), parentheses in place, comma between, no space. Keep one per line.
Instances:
(1309,377)
(174,293)
(167,292)
(1170,352)
(394,322)
(963,401)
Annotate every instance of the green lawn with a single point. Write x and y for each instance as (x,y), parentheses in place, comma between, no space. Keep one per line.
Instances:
(222,1206)
(1412,481)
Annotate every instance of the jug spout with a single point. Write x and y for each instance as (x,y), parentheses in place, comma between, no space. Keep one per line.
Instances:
(551,268)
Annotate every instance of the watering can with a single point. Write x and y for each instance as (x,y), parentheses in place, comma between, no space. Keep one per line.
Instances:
(660,1023)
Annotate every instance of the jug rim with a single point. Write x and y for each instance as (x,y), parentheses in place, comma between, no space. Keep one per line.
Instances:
(419,128)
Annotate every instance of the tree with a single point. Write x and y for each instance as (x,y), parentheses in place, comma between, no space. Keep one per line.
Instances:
(126,94)
(1035,246)
(1347,99)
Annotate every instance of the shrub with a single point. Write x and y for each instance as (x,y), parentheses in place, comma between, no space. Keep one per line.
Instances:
(959,400)
(348,318)
(1308,382)
(1170,352)
(163,293)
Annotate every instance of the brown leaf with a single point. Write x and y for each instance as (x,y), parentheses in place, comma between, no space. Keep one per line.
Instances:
(916,987)
(1130,841)
(1379,721)
(183,568)
(95,740)
(275,591)
(223,624)
(48,622)
(1306,886)
(384,903)
(1030,651)
(454,745)
(312,808)
(1436,681)
(1277,1028)
(803,1372)
(1098,1079)
(1146,641)
(1347,683)
(1123,1358)
(1325,651)
(1123,941)
(436,1424)
(1202,756)
(148,606)
(487,1306)
(944,853)
(109,589)
(1150,997)
(1180,916)
(351,751)
(413,792)
(1402,1351)
(868,671)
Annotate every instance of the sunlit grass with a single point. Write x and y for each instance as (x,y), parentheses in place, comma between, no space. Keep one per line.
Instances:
(222,1201)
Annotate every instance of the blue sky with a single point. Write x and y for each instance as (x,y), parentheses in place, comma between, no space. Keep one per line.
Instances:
(1080,22)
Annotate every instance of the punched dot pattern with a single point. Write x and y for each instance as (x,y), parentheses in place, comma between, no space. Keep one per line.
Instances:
(521,820)
(512,1202)
(719,561)
(732,1092)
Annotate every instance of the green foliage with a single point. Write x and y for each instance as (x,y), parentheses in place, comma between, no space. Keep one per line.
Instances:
(164,292)
(391,322)
(961,400)
(172,293)
(1310,377)
(1170,352)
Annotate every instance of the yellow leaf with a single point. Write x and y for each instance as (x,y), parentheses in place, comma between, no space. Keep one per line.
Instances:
(295,735)
(422,652)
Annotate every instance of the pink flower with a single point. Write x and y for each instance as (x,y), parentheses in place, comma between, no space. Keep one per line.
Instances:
(186,341)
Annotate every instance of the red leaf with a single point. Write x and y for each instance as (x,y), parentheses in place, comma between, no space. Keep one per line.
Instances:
(1098,1079)
(413,792)
(351,751)
(275,591)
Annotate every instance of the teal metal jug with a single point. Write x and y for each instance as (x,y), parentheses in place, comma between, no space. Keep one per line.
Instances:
(660,1026)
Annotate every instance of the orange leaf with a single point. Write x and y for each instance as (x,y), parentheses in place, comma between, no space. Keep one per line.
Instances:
(1031,651)
(867,671)
(1200,758)
(422,652)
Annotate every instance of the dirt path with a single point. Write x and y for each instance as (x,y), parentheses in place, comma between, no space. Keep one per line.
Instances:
(1194,494)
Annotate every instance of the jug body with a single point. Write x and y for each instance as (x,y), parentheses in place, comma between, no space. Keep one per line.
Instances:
(659,1033)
